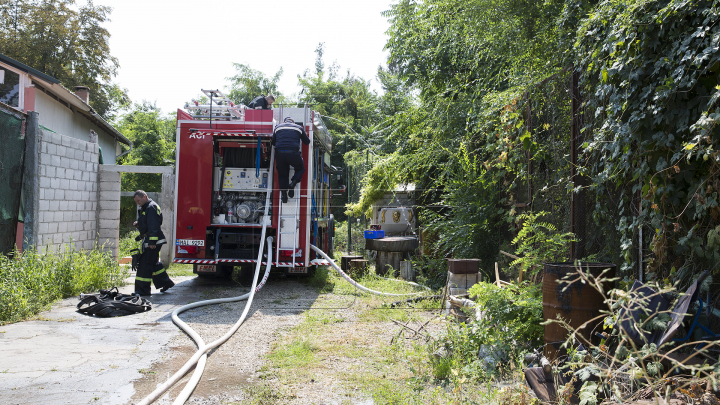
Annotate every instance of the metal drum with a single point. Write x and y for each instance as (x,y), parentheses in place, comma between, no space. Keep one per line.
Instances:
(576,303)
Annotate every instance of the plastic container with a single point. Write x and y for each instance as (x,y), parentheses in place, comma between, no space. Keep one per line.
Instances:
(379,234)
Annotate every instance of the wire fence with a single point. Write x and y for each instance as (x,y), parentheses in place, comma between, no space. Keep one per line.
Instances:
(12,139)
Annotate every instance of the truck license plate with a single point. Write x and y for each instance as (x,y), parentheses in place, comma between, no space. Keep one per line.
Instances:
(190,242)
(206,268)
(300,270)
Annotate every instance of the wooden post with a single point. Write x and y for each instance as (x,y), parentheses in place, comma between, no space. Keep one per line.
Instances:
(358,267)
(497,275)
(345,261)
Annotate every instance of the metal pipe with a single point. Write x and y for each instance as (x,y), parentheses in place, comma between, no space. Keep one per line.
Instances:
(125,153)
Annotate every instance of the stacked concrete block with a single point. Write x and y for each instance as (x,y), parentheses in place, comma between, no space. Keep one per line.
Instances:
(109,212)
(68,192)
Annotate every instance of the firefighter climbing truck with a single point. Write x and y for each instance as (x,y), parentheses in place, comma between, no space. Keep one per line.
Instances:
(224,178)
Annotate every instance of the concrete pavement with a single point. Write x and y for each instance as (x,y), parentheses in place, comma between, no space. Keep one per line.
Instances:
(65,357)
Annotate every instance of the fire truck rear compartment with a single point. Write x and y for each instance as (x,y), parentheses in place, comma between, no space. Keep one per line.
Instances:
(237,244)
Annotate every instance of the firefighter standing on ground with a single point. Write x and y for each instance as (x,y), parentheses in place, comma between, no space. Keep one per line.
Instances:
(286,140)
(150,268)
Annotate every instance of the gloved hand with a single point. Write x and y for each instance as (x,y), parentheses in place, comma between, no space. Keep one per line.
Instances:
(138,238)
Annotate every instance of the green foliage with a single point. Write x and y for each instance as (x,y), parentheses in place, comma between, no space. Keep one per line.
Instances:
(357,239)
(360,122)
(650,72)
(30,282)
(249,83)
(467,225)
(429,271)
(66,41)
(540,242)
(153,137)
(127,243)
(491,346)
(517,308)
(450,48)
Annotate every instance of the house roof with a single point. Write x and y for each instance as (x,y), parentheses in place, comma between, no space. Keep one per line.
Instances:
(53,86)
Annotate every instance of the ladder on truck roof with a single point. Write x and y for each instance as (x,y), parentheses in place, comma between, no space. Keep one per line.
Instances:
(219,108)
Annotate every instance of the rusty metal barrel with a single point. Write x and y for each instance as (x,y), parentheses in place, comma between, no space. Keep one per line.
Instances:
(575,302)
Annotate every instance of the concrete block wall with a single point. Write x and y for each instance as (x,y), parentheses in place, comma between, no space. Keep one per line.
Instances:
(108,212)
(68,191)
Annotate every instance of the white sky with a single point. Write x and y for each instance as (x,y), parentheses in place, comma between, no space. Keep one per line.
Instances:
(169,50)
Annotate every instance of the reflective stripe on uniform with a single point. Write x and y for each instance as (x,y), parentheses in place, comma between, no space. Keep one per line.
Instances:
(143,279)
(153,238)
(160,242)
(159,272)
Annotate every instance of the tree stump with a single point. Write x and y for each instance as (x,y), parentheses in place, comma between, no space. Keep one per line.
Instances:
(345,261)
(358,267)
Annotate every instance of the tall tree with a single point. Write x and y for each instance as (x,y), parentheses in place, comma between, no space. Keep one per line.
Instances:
(67,42)
(249,83)
(455,47)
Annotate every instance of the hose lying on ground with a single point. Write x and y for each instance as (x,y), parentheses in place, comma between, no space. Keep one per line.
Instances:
(202,350)
(200,357)
(193,382)
(351,281)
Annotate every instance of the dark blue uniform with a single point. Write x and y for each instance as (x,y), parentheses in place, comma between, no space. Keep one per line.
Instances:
(150,268)
(286,140)
(259,102)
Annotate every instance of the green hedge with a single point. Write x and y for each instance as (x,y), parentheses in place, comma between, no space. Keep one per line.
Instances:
(30,282)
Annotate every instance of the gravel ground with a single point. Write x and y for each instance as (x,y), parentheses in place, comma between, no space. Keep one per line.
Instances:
(233,369)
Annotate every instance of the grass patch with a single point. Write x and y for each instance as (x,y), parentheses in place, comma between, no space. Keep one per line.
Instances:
(180,270)
(298,353)
(354,350)
(321,318)
(266,394)
(321,280)
(31,282)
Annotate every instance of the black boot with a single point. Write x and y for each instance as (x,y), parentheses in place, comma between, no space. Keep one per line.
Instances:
(283,196)
(291,192)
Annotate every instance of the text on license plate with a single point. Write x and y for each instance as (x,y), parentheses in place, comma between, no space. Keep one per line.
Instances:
(190,242)
(206,268)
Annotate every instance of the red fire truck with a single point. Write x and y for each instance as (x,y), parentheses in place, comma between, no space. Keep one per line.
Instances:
(225,177)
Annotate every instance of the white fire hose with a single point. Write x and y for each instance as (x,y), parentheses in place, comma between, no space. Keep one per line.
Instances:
(197,374)
(200,357)
(204,348)
(353,282)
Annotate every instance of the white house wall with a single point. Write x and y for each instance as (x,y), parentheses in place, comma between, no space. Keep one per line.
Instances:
(62,120)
